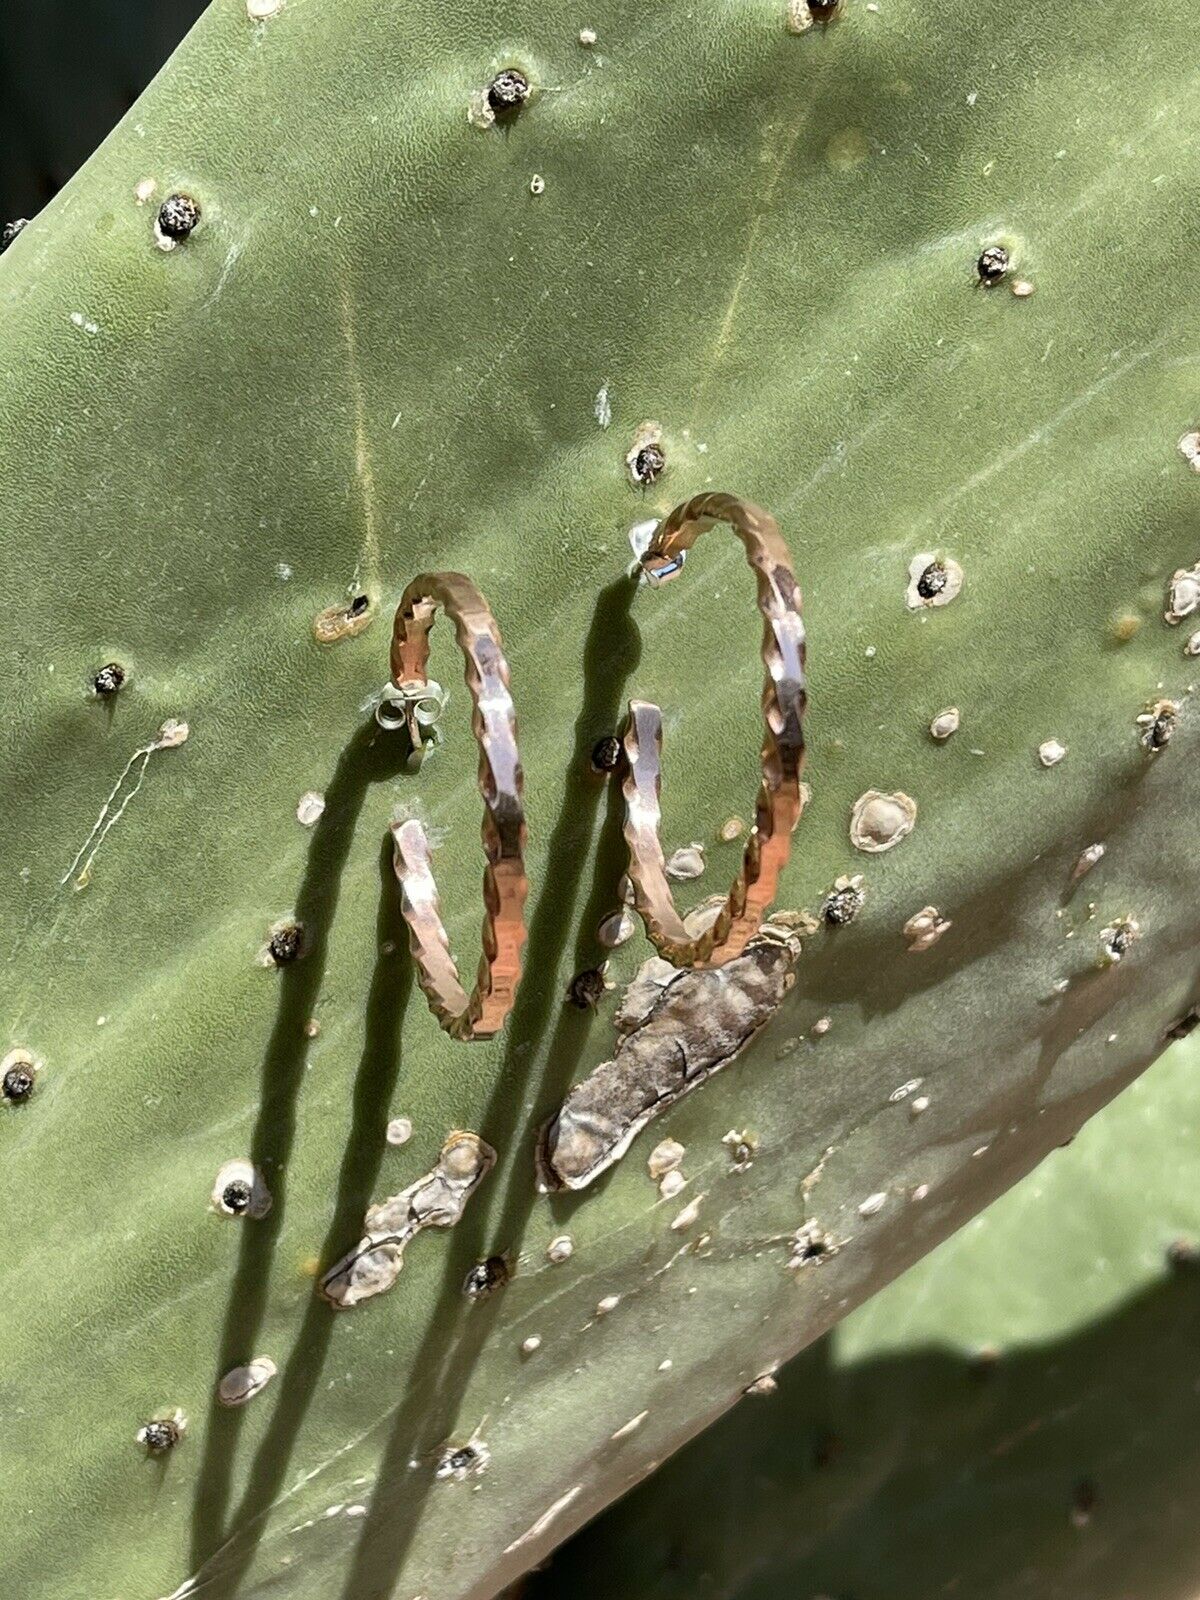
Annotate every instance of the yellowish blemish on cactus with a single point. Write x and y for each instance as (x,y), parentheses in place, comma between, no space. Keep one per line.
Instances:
(343,620)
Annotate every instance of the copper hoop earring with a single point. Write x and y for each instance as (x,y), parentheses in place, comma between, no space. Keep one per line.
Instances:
(780,799)
(493,721)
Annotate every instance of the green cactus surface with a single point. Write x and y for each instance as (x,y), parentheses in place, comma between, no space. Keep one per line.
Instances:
(404,337)
(1016,1416)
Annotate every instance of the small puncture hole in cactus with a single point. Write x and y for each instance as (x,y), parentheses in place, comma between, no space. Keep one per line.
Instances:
(178,217)
(486,1277)
(10,231)
(824,10)
(109,680)
(586,989)
(286,943)
(161,1434)
(992,265)
(606,754)
(507,93)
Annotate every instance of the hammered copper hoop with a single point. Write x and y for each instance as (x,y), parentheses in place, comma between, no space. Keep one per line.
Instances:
(494,723)
(783,700)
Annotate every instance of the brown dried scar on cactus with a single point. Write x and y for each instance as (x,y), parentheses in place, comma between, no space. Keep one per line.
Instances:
(435,1201)
(676,1029)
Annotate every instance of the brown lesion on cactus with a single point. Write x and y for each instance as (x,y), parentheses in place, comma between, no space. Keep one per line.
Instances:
(676,1029)
(344,620)
(436,1200)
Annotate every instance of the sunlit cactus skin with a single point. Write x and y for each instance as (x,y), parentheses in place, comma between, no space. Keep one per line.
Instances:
(1016,1415)
(383,350)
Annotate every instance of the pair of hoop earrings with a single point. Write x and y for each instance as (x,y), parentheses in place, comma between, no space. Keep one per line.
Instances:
(481,1014)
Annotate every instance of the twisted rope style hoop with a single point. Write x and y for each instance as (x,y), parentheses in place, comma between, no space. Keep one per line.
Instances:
(784,697)
(494,724)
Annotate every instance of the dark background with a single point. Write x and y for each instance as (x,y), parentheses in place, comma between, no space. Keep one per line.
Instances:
(69,70)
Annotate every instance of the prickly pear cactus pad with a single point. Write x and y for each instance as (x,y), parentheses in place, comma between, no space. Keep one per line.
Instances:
(362,289)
